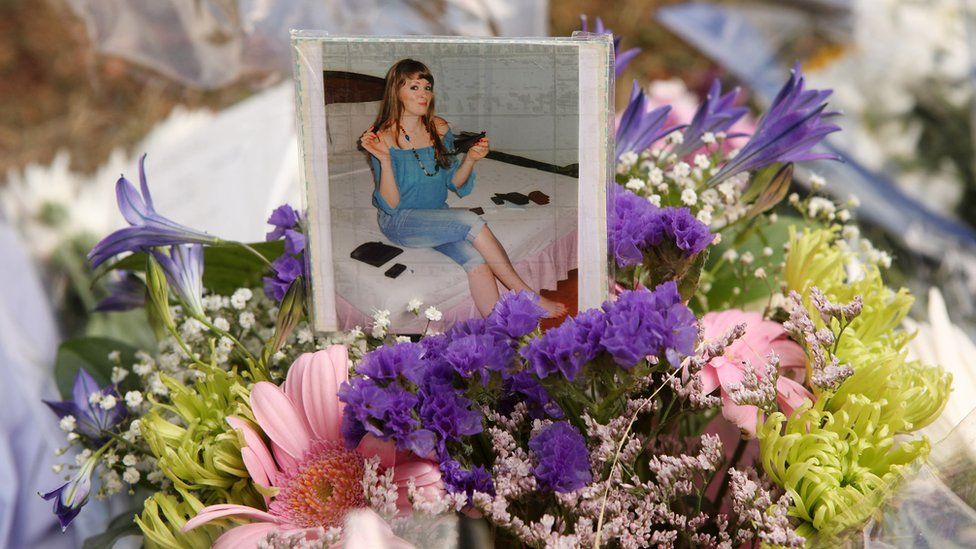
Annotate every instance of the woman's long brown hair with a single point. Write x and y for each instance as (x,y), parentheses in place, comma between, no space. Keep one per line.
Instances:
(391,109)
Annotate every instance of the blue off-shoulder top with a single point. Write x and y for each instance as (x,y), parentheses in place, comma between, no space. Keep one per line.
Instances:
(417,190)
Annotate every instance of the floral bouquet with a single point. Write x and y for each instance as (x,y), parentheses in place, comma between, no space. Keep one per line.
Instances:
(746,382)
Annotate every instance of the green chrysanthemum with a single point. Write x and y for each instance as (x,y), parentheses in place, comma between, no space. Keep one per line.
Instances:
(163,517)
(836,457)
(195,447)
(835,465)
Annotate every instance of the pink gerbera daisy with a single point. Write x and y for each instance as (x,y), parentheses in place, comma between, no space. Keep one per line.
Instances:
(761,337)
(318,479)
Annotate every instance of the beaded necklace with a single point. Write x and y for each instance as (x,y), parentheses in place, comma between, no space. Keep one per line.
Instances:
(417,156)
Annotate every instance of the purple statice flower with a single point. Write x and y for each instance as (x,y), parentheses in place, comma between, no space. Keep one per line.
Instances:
(525,387)
(390,362)
(688,233)
(635,225)
(71,496)
(563,462)
(286,270)
(449,415)
(283,218)
(515,315)
(147,228)
(459,480)
(640,127)
(385,412)
(621,60)
(644,323)
(472,326)
(183,266)
(478,354)
(796,122)
(92,419)
(126,291)
(564,349)
(632,226)
(716,114)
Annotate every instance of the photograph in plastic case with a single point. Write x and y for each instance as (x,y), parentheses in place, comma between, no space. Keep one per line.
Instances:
(480,165)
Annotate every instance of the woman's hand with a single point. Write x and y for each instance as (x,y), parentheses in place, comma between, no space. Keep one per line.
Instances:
(479,150)
(374,145)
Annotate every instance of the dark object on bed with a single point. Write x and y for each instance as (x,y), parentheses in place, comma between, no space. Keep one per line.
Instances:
(498,200)
(518,199)
(351,87)
(479,210)
(570,170)
(539,197)
(375,253)
(395,270)
(465,140)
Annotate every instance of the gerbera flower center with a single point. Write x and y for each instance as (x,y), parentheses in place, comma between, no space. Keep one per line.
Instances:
(326,486)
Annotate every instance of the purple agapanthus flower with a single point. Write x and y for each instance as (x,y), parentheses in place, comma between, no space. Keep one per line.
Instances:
(126,292)
(644,323)
(716,114)
(639,127)
(71,496)
(183,266)
(515,315)
(793,126)
(147,228)
(564,464)
(620,60)
(390,362)
(92,419)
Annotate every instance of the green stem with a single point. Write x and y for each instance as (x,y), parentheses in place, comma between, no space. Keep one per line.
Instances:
(243,350)
(256,253)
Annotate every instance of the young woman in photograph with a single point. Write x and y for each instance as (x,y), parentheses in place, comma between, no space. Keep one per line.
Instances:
(413,168)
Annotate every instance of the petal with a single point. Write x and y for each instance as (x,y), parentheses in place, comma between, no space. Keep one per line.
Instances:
(131,204)
(422,472)
(709,378)
(790,395)
(743,416)
(257,458)
(728,372)
(213,512)
(246,536)
(790,354)
(279,419)
(340,361)
(320,397)
(371,446)
(293,384)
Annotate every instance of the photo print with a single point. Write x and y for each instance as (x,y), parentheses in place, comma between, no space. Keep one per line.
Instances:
(441,173)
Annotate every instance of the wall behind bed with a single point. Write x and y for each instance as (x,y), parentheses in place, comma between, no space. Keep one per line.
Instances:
(525,96)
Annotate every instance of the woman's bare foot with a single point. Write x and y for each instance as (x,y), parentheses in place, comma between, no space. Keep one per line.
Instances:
(554,309)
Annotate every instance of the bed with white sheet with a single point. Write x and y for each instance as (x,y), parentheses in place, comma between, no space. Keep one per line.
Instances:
(541,241)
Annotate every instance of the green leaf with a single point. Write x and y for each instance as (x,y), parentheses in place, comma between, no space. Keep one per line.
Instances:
(774,193)
(226,266)
(689,283)
(90,353)
(758,182)
(122,525)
